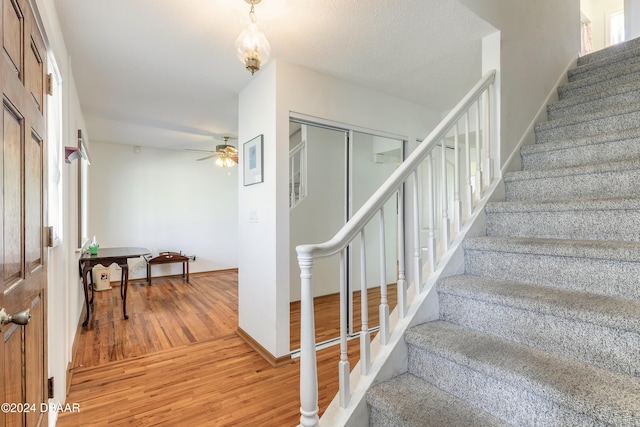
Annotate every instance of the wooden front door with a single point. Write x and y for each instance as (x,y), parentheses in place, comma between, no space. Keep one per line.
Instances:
(22,245)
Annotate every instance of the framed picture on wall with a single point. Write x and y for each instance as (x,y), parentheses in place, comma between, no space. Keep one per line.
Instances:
(253,161)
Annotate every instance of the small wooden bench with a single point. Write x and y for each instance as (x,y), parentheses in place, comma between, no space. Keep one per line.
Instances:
(168,258)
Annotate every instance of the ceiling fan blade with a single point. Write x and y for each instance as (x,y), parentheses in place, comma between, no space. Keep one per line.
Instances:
(199,151)
(207,157)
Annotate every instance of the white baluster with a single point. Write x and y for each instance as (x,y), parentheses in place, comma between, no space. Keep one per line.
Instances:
(478,154)
(365,335)
(303,161)
(302,189)
(384,304)
(457,203)
(343,365)
(486,142)
(431,203)
(292,181)
(308,369)
(402,282)
(417,248)
(467,148)
(493,132)
(444,198)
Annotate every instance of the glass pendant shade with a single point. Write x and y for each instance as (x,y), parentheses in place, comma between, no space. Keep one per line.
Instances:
(225,162)
(253,48)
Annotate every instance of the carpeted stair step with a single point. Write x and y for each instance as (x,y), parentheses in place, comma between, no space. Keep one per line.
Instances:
(604,267)
(622,117)
(595,328)
(613,179)
(596,101)
(581,219)
(605,147)
(600,82)
(623,59)
(407,401)
(609,52)
(518,383)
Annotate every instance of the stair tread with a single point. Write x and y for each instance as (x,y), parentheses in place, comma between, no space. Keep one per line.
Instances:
(605,310)
(607,396)
(608,53)
(605,113)
(594,96)
(613,250)
(608,204)
(595,101)
(413,402)
(592,168)
(599,81)
(624,134)
(626,56)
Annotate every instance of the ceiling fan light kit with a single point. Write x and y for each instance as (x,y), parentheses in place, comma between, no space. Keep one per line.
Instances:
(227,155)
(252,47)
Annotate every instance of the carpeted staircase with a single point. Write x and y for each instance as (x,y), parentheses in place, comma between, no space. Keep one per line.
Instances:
(543,329)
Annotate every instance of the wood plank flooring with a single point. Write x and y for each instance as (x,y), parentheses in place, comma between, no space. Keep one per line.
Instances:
(167,314)
(178,361)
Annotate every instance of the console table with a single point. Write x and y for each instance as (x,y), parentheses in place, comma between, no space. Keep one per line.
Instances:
(106,257)
(167,258)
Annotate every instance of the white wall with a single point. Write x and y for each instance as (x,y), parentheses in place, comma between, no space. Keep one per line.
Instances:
(538,41)
(263,303)
(265,108)
(163,200)
(632,19)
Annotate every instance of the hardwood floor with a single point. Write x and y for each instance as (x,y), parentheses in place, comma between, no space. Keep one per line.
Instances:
(178,360)
(167,314)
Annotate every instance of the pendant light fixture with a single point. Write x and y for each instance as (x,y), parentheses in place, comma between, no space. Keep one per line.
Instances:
(252,46)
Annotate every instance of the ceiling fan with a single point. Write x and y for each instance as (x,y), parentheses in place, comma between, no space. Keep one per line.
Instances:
(227,155)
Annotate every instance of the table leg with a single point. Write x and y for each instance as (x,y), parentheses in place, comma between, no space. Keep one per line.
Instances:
(85,286)
(93,286)
(125,284)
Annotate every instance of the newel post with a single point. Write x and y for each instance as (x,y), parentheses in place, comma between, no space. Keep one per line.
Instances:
(308,367)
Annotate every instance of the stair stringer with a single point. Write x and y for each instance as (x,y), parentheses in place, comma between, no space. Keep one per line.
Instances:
(392,360)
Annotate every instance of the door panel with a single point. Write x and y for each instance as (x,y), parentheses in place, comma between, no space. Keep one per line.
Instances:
(33,192)
(12,376)
(22,351)
(35,74)
(12,197)
(34,361)
(13,32)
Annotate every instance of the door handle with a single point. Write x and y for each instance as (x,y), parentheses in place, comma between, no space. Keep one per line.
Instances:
(20,318)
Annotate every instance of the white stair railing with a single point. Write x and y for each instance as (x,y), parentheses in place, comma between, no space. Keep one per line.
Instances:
(298,172)
(428,170)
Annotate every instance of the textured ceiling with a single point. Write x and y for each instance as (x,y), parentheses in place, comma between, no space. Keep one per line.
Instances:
(164,73)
